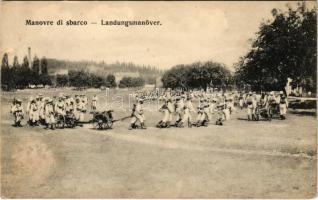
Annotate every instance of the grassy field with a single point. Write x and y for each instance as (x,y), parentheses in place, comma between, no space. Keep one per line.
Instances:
(241,159)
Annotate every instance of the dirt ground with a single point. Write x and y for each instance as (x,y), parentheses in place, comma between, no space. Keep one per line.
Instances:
(241,159)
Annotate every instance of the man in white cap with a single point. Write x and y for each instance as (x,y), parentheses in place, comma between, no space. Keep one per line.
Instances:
(230,104)
(137,115)
(188,108)
(165,122)
(250,102)
(202,117)
(220,113)
(241,101)
(271,103)
(227,108)
(60,106)
(17,111)
(49,114)
(167,94)
(28,105)
(278,96)
(67,100)
(14,101)
(168,109)
(171,110)
(33,113)
(212,106)
(94,102)
(78,109)
(271,98)
(179,105)
(40,103)
(84,99)
(263,99)
(283,105)
(83,106)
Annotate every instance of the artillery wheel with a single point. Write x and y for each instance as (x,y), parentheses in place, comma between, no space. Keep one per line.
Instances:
(71,123)
(98,124)
(108,124)
(60,121)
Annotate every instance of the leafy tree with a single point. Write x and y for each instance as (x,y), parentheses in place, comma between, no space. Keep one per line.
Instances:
(62,80)
(36,65)
(111,81)
(284,48)
(44,66)
(16,62)
(175,77)
(97,81)
(5,60)
(137,82)
(25,62)
(125,82)
(6,74)
(45,79)
(79,78)
(128,82)
(197,75)
(22,77)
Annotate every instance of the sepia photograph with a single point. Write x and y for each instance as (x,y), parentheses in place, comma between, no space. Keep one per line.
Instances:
(158,99)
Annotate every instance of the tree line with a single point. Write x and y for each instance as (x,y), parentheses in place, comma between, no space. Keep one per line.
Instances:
(198,75)
(22,76)
(148,73)
(103,67)
(18,76)
(285,47)
(127,82)
(85,79)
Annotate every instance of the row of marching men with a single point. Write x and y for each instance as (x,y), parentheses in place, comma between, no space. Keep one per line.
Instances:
(181,108)
(178,108)
(43,110)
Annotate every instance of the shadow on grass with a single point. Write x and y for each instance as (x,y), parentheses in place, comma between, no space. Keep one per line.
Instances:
(245,119)
(296,151)
(304,112)
(242,119)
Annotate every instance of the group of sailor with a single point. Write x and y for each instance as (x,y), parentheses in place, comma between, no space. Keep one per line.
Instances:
(177,107)
(180,105)
(267,101)
(43,110)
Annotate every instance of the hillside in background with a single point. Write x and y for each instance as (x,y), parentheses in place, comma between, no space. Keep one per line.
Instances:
(102,68)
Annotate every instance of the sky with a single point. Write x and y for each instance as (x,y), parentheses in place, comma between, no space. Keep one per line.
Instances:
(189,31)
